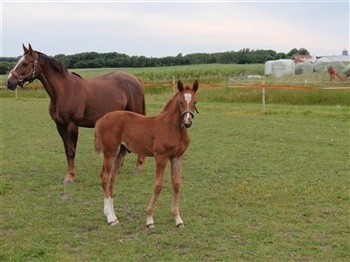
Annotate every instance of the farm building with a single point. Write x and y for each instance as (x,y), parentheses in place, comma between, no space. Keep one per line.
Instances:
(302,58)
(334,58)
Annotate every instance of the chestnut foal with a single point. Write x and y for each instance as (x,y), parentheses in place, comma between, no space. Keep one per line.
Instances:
(163,136)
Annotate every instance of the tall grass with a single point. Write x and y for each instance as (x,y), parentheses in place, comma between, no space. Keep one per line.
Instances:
(224,75)
(213,73)
(233,95)
(275,96)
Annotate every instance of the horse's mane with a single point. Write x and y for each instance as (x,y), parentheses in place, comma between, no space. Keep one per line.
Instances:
(175,96)
(54,64)
(166,107)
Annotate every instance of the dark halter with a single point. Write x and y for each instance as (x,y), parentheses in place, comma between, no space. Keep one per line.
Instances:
(187,111)
(22,77)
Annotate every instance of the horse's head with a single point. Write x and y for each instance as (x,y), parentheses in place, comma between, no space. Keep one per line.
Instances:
(187,102)
(25,70)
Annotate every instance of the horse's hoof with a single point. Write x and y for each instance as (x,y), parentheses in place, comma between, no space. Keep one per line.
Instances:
(113,223)
(136,171)
(180,225)
(67,182)
(150,226)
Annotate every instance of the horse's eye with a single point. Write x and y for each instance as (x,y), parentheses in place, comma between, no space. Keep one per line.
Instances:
(180,103)
(24,64)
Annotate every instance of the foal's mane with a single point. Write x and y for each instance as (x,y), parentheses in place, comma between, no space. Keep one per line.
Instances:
(175,96)
(54,64)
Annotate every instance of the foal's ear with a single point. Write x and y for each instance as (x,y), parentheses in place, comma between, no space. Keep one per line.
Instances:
(195,85)
(180,86)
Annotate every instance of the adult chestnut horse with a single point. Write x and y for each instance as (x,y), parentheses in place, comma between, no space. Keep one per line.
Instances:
(163,136)
(77,102)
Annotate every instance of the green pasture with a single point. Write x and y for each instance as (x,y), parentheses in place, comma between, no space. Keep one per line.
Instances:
(256,186)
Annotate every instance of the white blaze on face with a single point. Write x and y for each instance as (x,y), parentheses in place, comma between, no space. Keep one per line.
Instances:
(188,117)
(18,63)
(188,98)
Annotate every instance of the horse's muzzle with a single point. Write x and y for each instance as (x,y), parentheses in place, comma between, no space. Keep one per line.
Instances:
(187,124)
(187,118)
(11,84)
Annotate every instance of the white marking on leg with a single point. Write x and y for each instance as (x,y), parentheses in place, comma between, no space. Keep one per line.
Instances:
(179,221)
(150,222)
(112,209)
(108,210)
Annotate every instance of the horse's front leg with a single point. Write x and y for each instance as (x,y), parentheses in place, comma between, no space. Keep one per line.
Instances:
(161,162)
(69,137)
(176,166)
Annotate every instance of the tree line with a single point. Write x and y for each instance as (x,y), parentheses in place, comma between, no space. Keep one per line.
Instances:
(114,59)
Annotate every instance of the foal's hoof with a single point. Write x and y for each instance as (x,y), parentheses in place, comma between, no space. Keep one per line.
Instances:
(67,182)
(180,225)
(150,226)
(136,171)
(113,223)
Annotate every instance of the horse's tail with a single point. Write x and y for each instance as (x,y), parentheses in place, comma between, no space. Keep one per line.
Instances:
(98,144)
(144,106)
(143,98)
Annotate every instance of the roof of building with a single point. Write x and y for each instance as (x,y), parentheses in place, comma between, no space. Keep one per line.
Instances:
(301,57)
(340,58)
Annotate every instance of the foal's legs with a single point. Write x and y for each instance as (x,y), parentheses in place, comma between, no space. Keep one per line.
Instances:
(110,169)
(176,165)
(106,177)
(69,135)
(161,162)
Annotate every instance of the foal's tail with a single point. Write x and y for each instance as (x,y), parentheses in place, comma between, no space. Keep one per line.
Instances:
(98,145)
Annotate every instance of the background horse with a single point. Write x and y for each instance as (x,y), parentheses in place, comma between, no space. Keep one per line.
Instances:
(75,101)
(163,136)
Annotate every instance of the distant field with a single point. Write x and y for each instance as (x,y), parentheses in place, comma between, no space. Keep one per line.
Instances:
(256,187)
(159,80)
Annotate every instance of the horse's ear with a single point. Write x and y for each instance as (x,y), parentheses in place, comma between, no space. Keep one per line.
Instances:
(30,49)
(195,85)
(25,49)
(180,86)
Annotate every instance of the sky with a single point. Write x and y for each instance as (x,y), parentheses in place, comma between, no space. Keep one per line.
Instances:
(168,28)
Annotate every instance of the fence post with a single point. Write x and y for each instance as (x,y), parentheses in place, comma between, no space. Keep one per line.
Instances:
(263,94)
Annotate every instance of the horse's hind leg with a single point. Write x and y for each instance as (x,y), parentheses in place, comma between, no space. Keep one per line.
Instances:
(106,177)
(116,167)
(139,162)
(176,165)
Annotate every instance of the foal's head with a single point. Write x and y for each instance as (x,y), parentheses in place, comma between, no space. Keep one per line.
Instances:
(187,102)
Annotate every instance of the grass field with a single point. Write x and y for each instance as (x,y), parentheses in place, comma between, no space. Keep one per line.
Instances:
(256,187)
